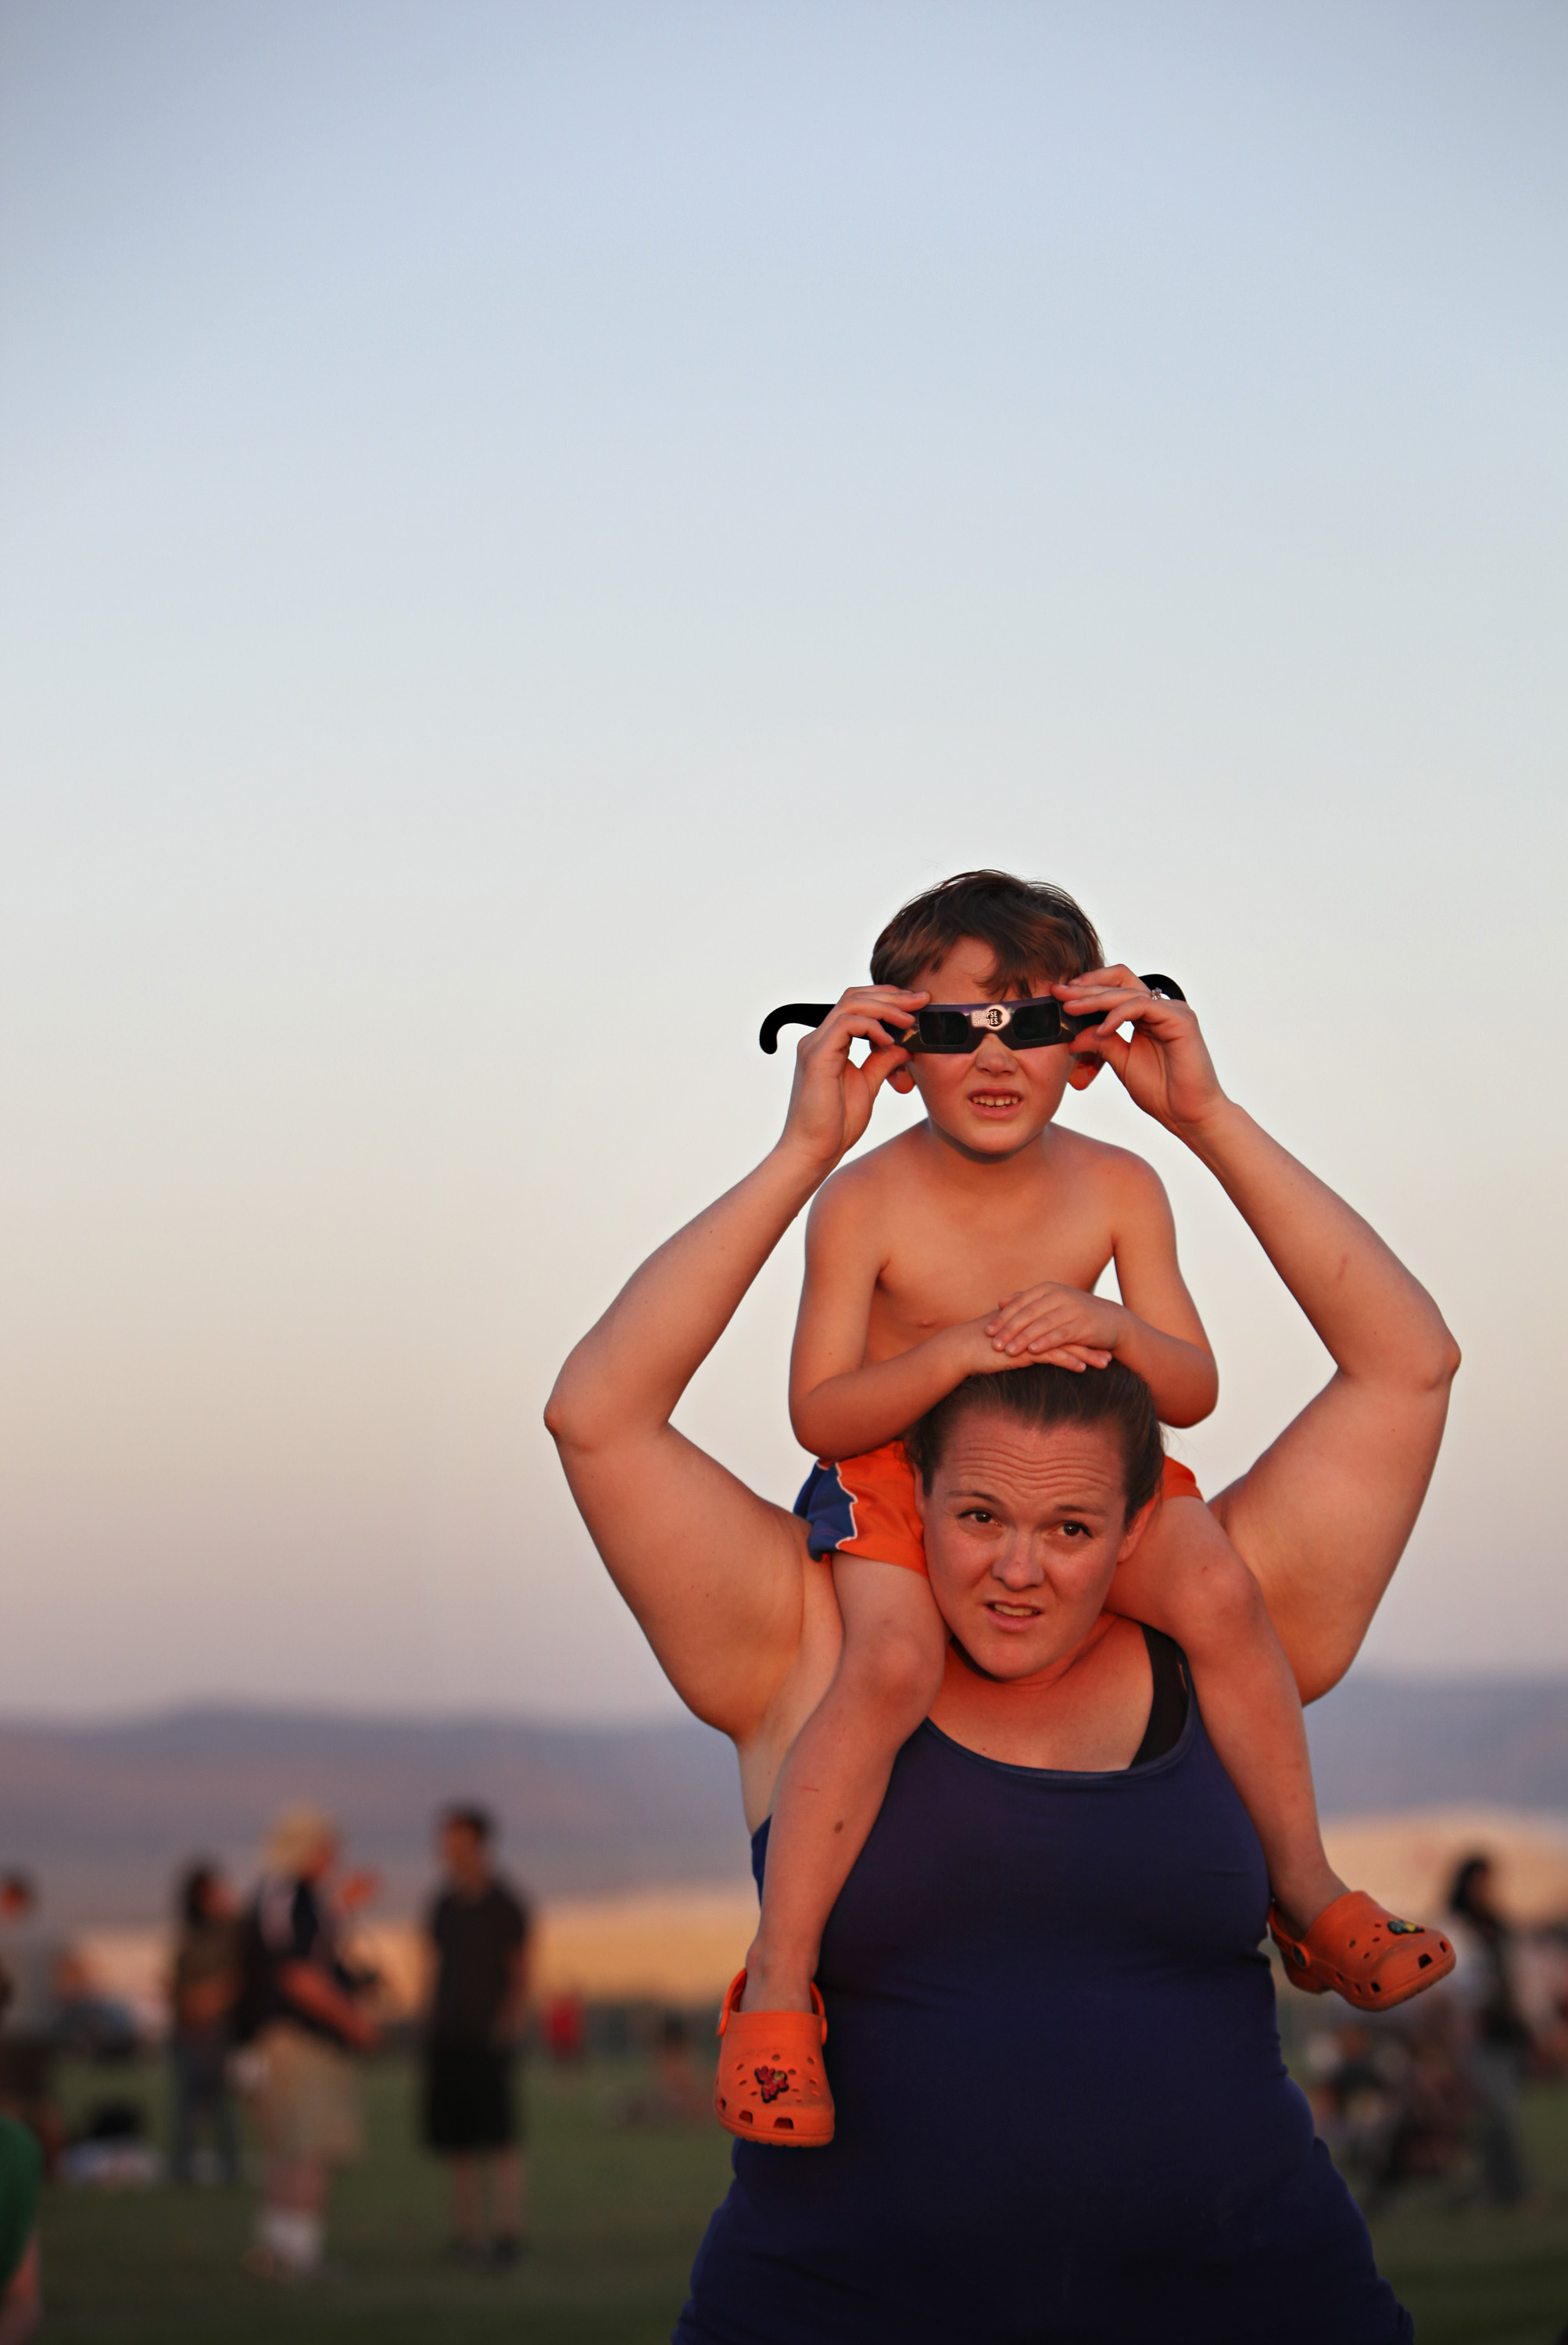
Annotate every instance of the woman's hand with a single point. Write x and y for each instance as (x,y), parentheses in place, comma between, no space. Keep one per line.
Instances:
(1164,1063)
(1058,1323)
(831,1100)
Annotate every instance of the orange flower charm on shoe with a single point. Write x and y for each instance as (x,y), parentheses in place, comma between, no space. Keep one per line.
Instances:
(771,2084)
(1359,1950)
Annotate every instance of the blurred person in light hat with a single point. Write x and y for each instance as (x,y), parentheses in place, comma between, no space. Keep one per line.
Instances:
(302,2016)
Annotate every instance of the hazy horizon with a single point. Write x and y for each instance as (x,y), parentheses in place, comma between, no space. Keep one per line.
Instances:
(525,531)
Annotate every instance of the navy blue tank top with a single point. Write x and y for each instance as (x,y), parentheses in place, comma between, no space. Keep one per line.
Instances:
(1062,2116)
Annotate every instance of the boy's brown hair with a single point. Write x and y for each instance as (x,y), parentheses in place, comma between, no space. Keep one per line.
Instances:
(1033,929)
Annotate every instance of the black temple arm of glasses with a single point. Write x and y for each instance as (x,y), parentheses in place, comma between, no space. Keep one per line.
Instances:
(811,1013)
(794,1013)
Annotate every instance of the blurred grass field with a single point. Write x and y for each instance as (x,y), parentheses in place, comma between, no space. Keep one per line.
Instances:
(616,2215)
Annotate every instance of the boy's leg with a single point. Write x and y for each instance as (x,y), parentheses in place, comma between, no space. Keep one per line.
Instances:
(1186,1579)
(832,1781)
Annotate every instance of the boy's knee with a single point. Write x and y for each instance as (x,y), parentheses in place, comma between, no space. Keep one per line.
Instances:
(899,1666)
(1221,1602)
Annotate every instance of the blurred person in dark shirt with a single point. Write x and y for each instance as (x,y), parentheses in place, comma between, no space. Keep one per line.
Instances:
(21,2187)
(302,2012)
(204,1990)
(479,1930)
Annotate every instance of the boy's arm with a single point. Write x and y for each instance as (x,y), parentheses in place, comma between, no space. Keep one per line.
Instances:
(1155,1330)
(839,1407)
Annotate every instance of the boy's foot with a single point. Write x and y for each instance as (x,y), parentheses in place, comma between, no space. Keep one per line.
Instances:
(1357,1948)
(771,2085)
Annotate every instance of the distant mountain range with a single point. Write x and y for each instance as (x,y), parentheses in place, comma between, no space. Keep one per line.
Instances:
(1381,1743)
(105,1813)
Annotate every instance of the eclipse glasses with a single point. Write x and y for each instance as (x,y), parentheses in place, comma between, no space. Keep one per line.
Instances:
(955,1028)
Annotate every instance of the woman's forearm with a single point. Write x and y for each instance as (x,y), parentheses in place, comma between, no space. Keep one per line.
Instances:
(1377,1322)
(632,1366)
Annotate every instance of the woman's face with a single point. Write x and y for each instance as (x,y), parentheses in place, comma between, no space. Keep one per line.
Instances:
(1024,1528)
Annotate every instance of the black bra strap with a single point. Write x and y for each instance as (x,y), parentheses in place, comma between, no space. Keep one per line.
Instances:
(1167,1709)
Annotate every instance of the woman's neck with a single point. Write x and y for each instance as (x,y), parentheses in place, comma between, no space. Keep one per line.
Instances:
(1040,1679)
(1084,1712)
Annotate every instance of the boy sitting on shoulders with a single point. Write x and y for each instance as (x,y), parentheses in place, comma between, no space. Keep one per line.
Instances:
(972,1244)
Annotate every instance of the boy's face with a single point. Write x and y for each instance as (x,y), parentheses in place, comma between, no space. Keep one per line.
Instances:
(996,1101)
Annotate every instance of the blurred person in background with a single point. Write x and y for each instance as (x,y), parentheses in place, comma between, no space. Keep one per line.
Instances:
(1495,2035)
(304,2016)
(21,2185)
(677,2095)
(203,1992)
(479,1933)
(565,2030)
(43,1973)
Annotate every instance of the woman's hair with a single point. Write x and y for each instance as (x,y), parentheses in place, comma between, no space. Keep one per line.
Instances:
(464,1816)
(1033,931)
(1043,1396)
(190,1896)
(1462,1896)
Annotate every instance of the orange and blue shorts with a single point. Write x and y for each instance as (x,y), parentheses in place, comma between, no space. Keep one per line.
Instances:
(866,1505)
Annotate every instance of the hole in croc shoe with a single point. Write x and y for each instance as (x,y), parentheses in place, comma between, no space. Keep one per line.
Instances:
(783,2125)
(1375,1988)
(1425,1963)
(746,2116)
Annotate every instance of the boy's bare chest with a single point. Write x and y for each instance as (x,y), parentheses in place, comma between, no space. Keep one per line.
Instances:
(940,1271)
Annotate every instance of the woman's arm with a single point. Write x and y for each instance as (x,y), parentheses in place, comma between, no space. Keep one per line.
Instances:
(713,1573)
(1324,1515)
(312,1990)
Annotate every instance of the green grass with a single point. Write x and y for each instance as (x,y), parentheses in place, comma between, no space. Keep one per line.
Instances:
(616,2215)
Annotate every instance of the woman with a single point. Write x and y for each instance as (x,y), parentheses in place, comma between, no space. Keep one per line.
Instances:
(204,1991)
(1061,2110)
(1496,2038)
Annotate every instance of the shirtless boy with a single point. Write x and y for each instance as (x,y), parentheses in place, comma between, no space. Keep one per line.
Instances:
(971,1245)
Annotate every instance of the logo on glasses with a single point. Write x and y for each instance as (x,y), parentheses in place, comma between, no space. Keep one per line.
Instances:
(993,1015)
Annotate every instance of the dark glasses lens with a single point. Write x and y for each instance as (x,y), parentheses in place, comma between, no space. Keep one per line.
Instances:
(1034,1024)
(945,1029)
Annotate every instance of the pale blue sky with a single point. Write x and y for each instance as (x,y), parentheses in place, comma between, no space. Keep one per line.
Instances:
(519,516)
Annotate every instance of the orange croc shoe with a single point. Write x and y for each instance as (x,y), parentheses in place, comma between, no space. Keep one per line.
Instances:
(1359,1950)
(771,2085)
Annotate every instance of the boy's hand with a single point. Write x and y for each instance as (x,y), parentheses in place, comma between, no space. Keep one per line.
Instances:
(831,1099)
(1056,1323)
(1164,1063)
